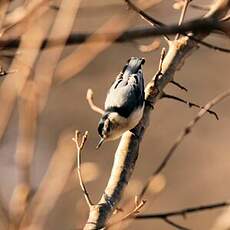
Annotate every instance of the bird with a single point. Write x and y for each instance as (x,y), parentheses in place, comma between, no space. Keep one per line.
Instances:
(124,102)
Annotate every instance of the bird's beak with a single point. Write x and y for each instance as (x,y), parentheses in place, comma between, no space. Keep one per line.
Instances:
(100,143)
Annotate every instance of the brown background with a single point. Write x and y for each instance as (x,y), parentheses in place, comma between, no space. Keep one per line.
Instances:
(199,171)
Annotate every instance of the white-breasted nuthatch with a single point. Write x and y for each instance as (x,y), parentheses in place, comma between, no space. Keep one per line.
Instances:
(124,103)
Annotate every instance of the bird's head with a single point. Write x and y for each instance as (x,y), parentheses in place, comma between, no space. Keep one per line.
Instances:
(109,128)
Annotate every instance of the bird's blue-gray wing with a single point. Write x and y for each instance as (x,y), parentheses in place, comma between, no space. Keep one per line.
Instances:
(126,94)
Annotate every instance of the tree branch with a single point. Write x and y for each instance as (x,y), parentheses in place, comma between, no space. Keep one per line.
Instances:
(128,148)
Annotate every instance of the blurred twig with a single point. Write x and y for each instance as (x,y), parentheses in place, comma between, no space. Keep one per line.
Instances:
(5,220)
(52,185)
(24,152)
(22,14)
(3,10)
(21,67)
(49,58)
(86,52)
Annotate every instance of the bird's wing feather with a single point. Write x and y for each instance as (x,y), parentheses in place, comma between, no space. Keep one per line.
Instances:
(126,94)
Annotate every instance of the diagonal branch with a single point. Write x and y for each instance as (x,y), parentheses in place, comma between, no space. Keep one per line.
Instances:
(184,133)
(182,212)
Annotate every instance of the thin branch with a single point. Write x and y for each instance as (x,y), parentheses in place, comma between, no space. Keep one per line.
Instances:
(175,225)
(184,9)
(208,45)
(89,98)
(179,85)
(181,137)
(189,103)
(183,212)
(80,142)
(131,214)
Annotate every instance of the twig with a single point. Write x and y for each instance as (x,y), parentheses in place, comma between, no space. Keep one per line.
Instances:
(175,225)
(182,212)
(131,214)
(184,9)
(190,104)
(89,98)
(181,137)
(80,142)
(24,152)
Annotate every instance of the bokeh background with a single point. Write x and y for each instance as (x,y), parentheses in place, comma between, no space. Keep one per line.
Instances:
(197,174)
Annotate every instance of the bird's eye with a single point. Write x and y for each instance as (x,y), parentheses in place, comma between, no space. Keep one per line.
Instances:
(142,61)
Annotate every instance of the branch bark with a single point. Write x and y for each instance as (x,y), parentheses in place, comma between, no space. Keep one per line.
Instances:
(128,148)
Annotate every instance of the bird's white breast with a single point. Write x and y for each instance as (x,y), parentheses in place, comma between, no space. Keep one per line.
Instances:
(124,124)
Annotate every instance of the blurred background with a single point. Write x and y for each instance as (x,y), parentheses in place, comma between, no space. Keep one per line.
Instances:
(196,175)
